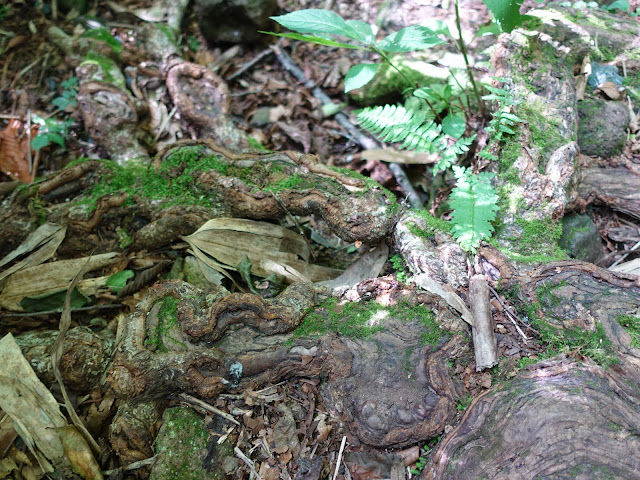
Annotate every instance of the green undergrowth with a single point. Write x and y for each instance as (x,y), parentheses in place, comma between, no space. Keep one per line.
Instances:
(592,344)
(174,182)
(363,319)
(432,225)
(536,243)
(631,324)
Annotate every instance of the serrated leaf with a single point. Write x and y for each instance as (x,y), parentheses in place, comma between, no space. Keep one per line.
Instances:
(410,39)
(359,75)
(506,13)
(313,39)
(317,21)
(454,125)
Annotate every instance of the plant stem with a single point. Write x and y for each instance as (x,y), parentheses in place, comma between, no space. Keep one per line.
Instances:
(386,59)
(463,50)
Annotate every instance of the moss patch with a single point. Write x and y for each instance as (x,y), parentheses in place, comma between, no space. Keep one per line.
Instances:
(362,319)
(167,322)
(631,324)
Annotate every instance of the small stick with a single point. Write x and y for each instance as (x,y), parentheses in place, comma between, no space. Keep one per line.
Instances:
(344,441)
(263,54)
(509,314)
(209,408)
(248,461)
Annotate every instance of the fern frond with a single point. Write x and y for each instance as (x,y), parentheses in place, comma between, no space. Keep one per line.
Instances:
(474,202)
(413,126)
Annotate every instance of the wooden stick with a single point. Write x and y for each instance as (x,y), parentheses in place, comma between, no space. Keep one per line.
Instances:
(344,441)
(485,344)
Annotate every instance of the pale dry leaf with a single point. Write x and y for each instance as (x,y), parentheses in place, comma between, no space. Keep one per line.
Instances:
(611,90)
(223,242)
(446,293)
(48,237)
(396,156)
(51,277)
(33,409)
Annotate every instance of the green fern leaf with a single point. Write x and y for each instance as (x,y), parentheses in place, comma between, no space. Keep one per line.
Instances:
(474,202)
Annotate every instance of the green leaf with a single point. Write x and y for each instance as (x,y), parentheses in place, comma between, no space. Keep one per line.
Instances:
(437,26)
(620,4)
(53,301)
(118,280)
(363,29)
(359,75)
(506,13)
(317,21)
(474,202)
(313,39)
(409,39)
(69,83)
(454,125)
(56,138)
(40,141)
(103,35)
(492,29)
(61,102)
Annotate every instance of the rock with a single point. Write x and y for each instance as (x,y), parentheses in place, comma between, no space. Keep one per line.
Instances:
(580,238)
(602,127)
(236,21)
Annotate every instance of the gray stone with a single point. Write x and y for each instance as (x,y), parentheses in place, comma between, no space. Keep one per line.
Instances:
(602,128)
(580,238)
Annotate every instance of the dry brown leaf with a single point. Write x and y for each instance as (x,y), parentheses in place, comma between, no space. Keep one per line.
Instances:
(611,90)
(51,277)
(223,242)
(14,151)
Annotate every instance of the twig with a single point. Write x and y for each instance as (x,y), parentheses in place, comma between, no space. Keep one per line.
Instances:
(363,140)
(625,255)
(263,54)
(131,466)
(164,123)
(344,441)
(23,71)
(248,461)
(209,408)
(510,315)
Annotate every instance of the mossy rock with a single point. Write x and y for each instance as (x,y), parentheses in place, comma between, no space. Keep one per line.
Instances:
(602,128)
(580,238)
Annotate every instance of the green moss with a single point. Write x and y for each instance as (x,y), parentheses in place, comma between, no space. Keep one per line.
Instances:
(528,247)
(183,425)
(631,324)
(256,145)
(362,319)
(109,68)
(545,131)
(507,158)
(167,321)
(370,184)
(103,35)
(433,225)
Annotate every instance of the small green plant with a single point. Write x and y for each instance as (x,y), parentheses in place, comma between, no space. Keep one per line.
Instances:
(398,263)
(68,96)
(422,462)
(432,118)
(52,130)
(502,121)
(464,402)
(5,11)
